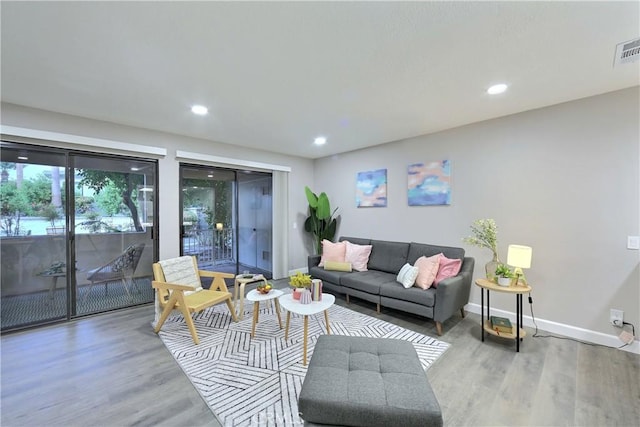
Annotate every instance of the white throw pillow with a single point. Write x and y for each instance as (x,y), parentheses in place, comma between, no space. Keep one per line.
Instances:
(407,275)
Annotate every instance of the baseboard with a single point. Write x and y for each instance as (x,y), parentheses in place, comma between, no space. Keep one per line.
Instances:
(564,330)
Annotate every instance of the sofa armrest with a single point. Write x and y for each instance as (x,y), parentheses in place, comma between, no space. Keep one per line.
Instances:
(452,294)
(313,260)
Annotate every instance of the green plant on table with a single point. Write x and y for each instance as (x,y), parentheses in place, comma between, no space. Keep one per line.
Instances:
(300,280)
(503,270)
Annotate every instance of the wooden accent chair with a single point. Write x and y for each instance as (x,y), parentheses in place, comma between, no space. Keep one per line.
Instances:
(178,286)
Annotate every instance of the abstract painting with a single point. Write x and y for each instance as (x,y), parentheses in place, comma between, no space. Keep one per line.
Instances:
(371,189)
(429,183)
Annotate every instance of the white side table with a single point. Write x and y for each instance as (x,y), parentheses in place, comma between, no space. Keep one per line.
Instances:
(305,310)
(257,297)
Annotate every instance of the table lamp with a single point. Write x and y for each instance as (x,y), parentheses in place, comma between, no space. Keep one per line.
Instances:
(219,226)
(519,257)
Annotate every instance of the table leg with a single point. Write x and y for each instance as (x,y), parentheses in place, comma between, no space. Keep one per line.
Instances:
(53,287)
(286,329)
(482,313)
(235,294)
(241,314)
(326,319)
(256,310)
(304,341)
(277,308)
(518,308)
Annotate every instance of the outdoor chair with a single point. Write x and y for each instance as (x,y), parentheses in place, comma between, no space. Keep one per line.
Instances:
(178,286)
(119,269)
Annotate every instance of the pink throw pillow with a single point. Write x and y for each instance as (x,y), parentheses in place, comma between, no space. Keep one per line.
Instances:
(332,252)
(427,270)
(357,255)
(448,268)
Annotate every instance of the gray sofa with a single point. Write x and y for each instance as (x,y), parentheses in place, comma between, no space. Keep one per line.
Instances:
(378,285)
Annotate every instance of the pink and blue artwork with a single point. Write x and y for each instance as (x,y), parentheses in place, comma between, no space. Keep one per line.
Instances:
(429,184)
(371,189)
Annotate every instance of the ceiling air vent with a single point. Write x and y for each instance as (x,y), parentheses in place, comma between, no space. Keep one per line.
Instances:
(627,52)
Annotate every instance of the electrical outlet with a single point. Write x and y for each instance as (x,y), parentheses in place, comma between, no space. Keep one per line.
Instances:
(616,317)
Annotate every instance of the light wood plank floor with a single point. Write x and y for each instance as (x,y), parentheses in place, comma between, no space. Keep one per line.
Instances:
(112,370)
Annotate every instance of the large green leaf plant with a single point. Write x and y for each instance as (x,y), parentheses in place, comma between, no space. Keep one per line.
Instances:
(321,221)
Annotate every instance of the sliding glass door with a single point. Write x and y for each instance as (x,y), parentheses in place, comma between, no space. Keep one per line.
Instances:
(226,219)
(113,245)
(76,233)
(33,237)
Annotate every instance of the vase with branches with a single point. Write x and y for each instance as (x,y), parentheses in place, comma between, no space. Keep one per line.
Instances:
(485,235)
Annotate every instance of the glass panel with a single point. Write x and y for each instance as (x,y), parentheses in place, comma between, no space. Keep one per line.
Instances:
(207,217)
(254,222)
(32,237)
(114,232)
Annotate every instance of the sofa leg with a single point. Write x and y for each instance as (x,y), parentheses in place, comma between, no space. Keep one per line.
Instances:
(348,302)
(462,312)
(439,328)
(378,308)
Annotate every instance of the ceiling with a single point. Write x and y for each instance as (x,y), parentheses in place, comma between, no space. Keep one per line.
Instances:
(275,75)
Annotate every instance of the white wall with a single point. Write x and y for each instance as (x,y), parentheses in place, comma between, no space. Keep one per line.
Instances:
(563,179)
(169,185)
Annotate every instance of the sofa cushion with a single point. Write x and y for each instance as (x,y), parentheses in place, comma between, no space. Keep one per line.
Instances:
(355,240)
(331,276)
(388,256)
(427,270)
(367,281)
(337,266)
(407,275)
(414,294)
(416,250)
(357,255)
(448,268)
(332,251)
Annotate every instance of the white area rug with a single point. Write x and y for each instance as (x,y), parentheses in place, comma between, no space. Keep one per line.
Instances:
(256,381)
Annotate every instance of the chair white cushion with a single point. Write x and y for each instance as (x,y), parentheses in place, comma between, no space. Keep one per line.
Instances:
(181,271)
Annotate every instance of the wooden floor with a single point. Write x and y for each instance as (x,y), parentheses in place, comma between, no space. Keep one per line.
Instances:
(112,370)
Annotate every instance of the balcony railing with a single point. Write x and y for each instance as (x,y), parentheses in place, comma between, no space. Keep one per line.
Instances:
(211,247)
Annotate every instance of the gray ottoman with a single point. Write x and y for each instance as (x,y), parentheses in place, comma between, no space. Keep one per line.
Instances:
(357,381)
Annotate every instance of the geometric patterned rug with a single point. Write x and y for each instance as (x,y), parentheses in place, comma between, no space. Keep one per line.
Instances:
(249,382)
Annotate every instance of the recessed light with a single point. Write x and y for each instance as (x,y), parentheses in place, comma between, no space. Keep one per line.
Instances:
(320,140)
(23,158)
(135,169)
(200,110)
(496,89)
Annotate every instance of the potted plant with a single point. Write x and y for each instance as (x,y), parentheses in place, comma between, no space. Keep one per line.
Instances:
(52,214)
(320,222)
(485,235)
(299,282)
(504,275)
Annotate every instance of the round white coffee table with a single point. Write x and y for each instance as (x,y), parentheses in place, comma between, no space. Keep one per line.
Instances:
(305,310)
(257,297)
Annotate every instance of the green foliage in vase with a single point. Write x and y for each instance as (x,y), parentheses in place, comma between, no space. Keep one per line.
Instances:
(485,235)
(300,280)
(503,270)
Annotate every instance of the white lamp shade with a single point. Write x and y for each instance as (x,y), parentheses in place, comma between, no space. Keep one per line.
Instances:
(219,226)
(519,256)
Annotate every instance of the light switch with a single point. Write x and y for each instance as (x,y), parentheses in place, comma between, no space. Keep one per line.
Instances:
(633,242)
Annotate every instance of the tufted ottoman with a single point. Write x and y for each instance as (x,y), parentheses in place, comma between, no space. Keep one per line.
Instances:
(358,381)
